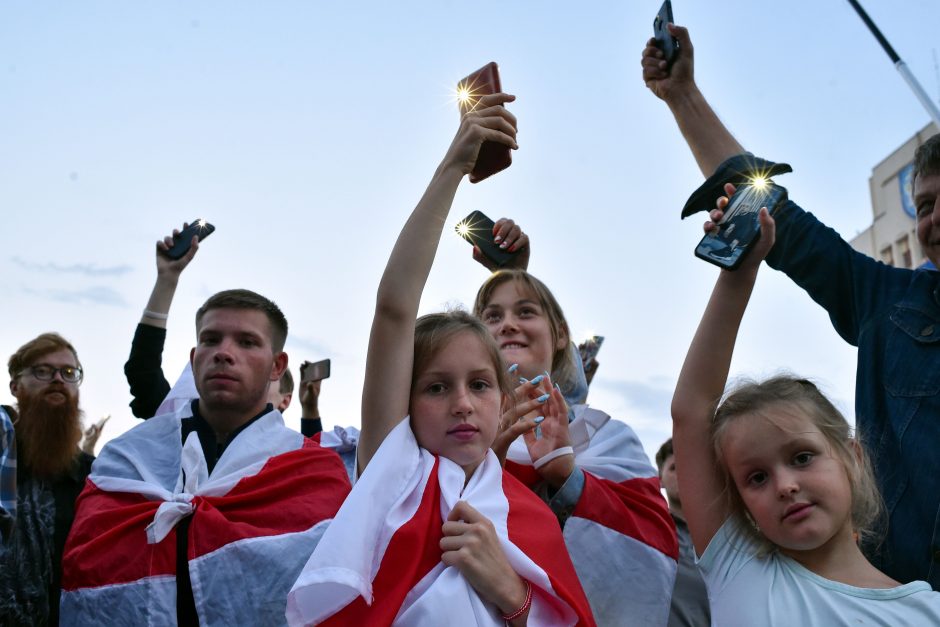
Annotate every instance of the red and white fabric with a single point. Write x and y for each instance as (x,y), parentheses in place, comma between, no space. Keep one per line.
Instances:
(620,535)
(379,562)
(255,520)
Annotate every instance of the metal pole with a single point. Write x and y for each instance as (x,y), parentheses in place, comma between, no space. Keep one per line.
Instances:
(900,65)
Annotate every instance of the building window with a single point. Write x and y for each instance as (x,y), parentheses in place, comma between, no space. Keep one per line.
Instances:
(887,255)
(904,252)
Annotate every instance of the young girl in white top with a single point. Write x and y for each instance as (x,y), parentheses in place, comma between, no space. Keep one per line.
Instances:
(434,531)
(775,489)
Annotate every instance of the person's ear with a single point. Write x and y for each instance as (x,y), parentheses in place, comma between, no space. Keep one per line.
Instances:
(14,387)
(280,365)
(285,402)
(563,338)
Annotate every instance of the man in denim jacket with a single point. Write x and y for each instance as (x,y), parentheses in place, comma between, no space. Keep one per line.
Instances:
(891,314)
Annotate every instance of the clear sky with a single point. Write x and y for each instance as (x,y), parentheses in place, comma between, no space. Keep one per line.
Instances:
(307,131)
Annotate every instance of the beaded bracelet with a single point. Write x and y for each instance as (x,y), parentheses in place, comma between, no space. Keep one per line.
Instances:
(525,606)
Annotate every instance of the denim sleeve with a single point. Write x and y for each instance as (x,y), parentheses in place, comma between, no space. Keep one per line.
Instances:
(566,498)
(850,286)
(144,372)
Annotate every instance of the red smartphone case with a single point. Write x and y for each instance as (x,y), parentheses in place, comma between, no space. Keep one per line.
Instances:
(493,156)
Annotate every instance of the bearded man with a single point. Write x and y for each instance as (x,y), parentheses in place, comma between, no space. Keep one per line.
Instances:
(49,469)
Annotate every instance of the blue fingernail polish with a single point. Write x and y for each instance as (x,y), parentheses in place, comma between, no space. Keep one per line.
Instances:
(543,398)
(547,374)
(523,380)
(538,432)
(539,420)
(537,379)
(558,387)
(513,368)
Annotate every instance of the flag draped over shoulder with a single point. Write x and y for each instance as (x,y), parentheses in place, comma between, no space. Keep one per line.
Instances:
(620,535)
(255,521)
(380,561)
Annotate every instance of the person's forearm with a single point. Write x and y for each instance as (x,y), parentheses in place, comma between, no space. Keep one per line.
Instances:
(709,139)
(160,300)
(705,371)
(410,262)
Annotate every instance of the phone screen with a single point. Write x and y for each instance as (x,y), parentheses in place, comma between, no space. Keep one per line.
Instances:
(740,226)
(315,371)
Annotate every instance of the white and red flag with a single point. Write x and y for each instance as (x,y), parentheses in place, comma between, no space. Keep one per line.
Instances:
(620,535)
(380,561)
(255,520)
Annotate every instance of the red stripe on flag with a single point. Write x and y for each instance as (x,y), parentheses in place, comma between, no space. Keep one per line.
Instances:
(413,551)
(108,544)
(525,473)
(292,492)
(635,508)
(534,529)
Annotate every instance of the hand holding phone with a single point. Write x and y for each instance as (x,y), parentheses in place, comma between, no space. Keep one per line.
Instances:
(184,239)
(493,156)
(477,229)
(739,228)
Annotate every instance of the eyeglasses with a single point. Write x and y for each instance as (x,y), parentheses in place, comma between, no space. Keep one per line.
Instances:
(45,372)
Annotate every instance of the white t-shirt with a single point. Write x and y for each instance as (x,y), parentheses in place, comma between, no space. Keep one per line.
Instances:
(747,590)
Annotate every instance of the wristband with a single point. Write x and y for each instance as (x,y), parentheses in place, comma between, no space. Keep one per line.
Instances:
(525,605)
(155,315)
(558,452)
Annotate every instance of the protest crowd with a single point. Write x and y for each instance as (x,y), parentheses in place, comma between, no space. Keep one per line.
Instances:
(481,488)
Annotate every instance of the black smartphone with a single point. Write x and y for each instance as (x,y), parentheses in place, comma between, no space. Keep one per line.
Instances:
(182,242)
(493,156)
(740,226)
(666,42)
(314,371)
(477,229)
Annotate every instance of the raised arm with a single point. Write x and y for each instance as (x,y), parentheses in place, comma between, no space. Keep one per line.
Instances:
(387,388)
(143,369)
(700,386)
(711,142)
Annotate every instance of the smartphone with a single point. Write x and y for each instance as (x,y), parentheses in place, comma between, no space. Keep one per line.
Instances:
(182,242)
(477,229)
(740,226)
(589,348)
(666,42)
(314,371)
(493,156)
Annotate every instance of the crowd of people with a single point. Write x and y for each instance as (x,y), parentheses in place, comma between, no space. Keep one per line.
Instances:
(481,489)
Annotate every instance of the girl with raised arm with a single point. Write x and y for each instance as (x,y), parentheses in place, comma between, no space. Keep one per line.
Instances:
(775,489)
(435,532)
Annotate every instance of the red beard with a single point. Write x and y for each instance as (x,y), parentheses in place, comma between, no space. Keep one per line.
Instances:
(48,432)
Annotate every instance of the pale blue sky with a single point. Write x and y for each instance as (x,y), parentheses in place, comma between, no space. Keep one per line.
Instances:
(307,131)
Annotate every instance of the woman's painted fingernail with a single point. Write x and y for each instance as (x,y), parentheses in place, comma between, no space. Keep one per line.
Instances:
(558,387)
(547,375)
(538,432)
(537,379)
(539,420)
(513,368)
(523,380)
(543,398)
(504,245)
(497,239)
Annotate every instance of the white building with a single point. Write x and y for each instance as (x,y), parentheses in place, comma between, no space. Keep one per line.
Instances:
(892,235)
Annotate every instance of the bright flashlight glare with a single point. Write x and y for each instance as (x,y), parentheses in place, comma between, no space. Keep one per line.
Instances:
(759,182)
(467,96)
(201,223)
(463,94)
(463,229)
